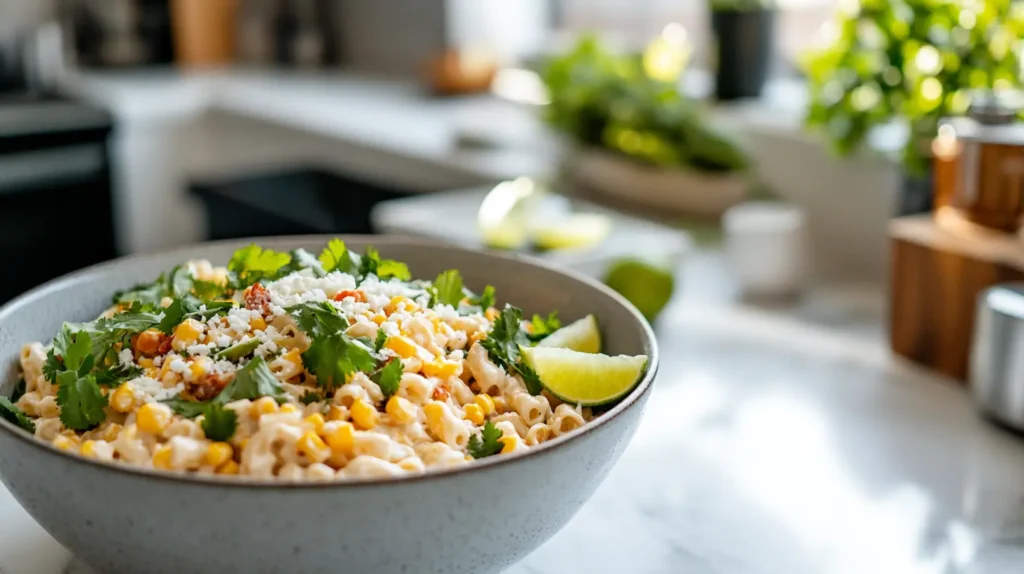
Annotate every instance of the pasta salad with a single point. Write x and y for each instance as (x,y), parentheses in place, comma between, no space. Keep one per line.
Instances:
(297,367)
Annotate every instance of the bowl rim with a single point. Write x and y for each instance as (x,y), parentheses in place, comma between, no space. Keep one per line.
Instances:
(236,482)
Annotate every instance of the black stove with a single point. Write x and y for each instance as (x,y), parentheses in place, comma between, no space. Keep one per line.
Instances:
(56,204)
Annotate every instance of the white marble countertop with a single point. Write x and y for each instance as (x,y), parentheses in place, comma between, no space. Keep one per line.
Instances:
(779,439)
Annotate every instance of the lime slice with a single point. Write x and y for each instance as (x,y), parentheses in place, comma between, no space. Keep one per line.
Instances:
(582,336)
(588,379)
(577,231)
(647,286)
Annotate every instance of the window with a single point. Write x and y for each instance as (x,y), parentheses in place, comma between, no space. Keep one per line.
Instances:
(634,22)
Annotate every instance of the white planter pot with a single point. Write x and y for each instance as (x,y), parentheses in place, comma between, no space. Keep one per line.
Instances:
(676,190)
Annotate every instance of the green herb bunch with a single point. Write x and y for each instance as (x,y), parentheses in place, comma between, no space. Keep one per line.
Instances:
(913,60)
(608,100)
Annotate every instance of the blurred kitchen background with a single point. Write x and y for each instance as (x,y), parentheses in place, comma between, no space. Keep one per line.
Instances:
(801,194)
(783,148)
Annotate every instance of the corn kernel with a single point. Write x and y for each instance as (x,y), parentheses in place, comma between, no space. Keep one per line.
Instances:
(218,454)
(153,417)
(474,414)
(434,411)
(441,368)
(364,415)
(263,406)
(64,443)
(293,356)
(402,346)
(289,408)
(88,449)
(400,410)
(185,334)
(122,400)
(146,363)
(313,447)
(336,413)
(341,438)
(229,467)
(379,319)
(258,324)
(162,457)
(485,402)
(148,342)
(151,372)
(316,420)
(110,433)
(392,305)
(509,443)
(197,368)
(491,313)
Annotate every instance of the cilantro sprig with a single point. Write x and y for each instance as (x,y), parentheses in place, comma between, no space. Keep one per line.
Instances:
(447,289)
(252,381)
(219,422)
(79,397)
(333,355)
(253,263)
(384,269)
(487,443)
(503,342)
(337,257)
(11,413)
(388,377)
(543,326)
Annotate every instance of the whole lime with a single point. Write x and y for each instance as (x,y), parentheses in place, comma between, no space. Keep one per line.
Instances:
(646,285)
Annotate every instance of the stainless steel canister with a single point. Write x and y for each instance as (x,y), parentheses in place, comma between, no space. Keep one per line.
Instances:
(997,354)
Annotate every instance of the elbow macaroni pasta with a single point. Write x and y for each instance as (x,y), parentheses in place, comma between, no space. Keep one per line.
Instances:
(448,390)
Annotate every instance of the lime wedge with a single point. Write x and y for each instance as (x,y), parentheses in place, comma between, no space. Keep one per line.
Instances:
(581,335)
(647,286)
(577,231)
(585,378)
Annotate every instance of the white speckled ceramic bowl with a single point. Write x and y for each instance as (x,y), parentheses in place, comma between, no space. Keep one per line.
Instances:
(480,518)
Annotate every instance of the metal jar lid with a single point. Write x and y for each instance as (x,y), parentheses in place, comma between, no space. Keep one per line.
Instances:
(991,118)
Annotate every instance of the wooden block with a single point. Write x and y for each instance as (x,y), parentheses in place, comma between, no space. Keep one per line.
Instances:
(938,270)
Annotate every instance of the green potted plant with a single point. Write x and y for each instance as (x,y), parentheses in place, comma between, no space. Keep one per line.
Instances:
(744,42)
(635,136)
(911,61)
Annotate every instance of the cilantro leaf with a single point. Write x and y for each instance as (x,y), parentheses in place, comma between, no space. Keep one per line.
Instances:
(384,269)
(81,401)
(146,293)
(485,300)
(318,318)
(219,422)
(487,443)
(311,397)
(253,263)
(302,259)
(180,282)
(186,307)
(186,408)
(542,327)
(380,341)
(12,414)
(447,289)
(388,377)
(503,342)
(238,350)
(252,381)
(337,257)
(117,374)
(78,352)
(207,290)
(332,358)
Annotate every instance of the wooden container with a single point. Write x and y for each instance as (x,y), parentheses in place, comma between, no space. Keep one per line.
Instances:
(979,165)
(204,32)
(939,268)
